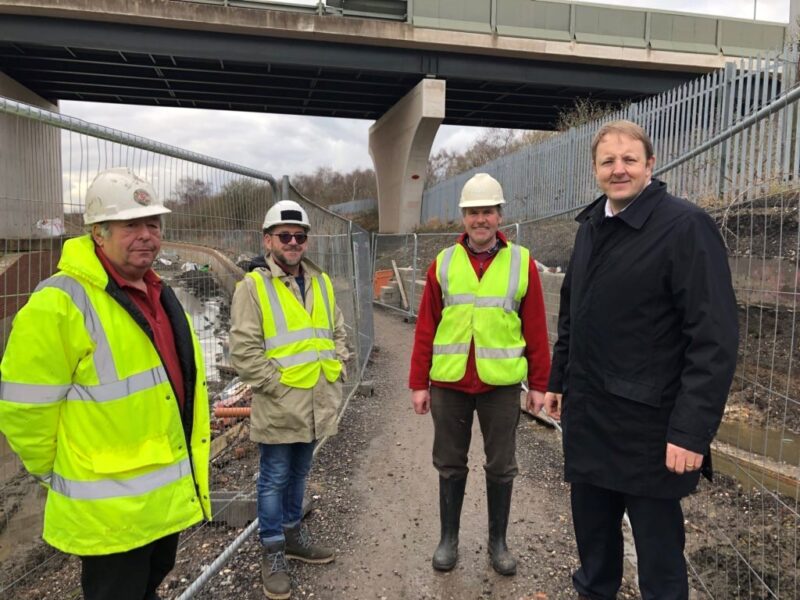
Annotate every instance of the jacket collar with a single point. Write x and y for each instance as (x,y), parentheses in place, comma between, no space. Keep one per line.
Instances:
(635,215)
(78,258)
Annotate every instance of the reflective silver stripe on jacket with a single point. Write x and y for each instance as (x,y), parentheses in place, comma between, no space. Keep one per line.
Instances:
(282,334)
(513,280)
(304,357)
(450,348)
(103,359)
(30,393)
(506,302)
(119,389)
(482,302)
(281,328)
(324,293)
(457,299)
(297,336)
(118,488)
(111,387)
(444,269)
(45,479)
(499,352)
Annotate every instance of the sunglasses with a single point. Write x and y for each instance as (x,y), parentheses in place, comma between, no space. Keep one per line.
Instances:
(285,237)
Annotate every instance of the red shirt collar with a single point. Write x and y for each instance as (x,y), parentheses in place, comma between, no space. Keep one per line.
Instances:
(150,278)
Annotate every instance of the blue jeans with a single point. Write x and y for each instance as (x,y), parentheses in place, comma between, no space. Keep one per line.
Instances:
(281,485)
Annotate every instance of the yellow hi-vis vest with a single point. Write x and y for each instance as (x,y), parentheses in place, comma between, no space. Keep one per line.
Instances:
(301,344)
(86,402)
(485,310)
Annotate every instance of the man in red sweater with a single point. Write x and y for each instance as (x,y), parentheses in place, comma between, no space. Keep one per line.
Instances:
(480,331)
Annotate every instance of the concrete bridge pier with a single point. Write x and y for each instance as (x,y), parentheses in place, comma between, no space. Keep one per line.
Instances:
(399,144)
(30,167)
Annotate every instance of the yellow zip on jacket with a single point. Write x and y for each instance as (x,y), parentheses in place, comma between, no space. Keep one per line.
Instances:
(300,343)
(86,403)
(485,311)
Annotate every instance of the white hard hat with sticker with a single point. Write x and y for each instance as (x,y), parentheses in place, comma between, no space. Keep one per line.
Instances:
(120,195)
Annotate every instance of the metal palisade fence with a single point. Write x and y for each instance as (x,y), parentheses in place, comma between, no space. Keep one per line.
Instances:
(550,177)
(47,162)
(729,141)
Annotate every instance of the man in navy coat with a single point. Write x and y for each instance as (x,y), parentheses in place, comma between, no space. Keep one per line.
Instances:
(646,351)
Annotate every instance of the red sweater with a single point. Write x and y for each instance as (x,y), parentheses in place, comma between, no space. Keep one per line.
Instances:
(534,330)
(150,306)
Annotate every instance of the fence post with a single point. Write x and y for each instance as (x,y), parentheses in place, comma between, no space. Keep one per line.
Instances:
(413,302)
(284,188)
(356,295)
(633,107)
(571,183)
(726,121)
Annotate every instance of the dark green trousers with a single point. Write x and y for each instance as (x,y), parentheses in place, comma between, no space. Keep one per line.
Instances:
(498,414)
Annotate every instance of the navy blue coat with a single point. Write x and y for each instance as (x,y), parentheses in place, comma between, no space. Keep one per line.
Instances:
(647,342)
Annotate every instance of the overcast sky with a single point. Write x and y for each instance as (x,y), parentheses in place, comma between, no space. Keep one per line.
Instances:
(286,144)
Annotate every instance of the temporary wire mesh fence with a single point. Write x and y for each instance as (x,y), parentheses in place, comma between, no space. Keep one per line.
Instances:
(47,162)
(743,536)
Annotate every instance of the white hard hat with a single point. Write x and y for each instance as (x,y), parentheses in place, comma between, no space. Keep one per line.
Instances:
(286,212)
(481,190)
(118,195)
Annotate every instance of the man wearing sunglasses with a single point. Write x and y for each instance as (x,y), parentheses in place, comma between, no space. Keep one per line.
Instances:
(287,343)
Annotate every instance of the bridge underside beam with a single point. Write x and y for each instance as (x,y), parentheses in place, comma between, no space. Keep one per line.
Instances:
(134,64)
(399,144)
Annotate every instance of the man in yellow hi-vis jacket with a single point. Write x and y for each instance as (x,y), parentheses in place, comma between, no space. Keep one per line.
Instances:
(288,343)
(103,396)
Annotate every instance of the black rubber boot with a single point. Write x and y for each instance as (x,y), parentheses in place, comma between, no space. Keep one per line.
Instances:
(498,499)
(451,497)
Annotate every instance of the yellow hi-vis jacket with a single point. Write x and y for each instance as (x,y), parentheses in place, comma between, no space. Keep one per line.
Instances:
(86,403)
(485,310)
(301,344)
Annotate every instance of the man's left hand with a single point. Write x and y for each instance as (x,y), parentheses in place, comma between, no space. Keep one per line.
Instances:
(534,402)
(680,460)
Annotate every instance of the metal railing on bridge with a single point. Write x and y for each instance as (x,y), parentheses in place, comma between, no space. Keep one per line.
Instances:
(47,162)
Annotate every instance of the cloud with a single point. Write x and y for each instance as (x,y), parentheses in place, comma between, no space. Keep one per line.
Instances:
(277,144)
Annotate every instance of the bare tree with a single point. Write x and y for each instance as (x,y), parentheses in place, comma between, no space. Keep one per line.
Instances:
(191,191)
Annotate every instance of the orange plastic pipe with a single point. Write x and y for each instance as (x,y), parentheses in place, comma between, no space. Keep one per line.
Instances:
(232,411)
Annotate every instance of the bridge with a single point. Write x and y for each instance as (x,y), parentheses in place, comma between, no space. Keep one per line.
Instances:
(409,66)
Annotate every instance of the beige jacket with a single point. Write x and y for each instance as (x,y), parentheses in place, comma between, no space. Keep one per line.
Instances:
(282,414)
